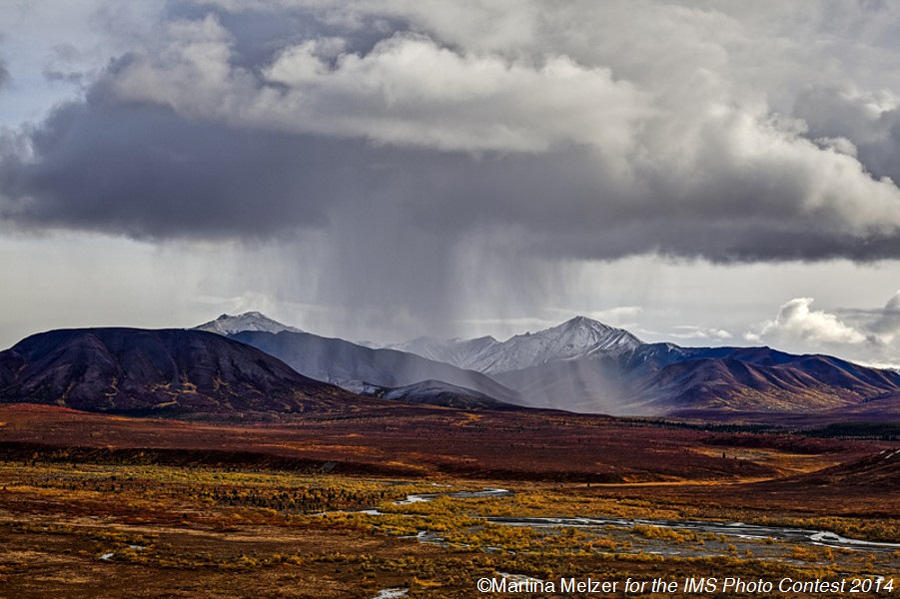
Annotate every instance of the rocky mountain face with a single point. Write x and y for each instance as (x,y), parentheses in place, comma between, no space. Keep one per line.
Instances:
(462,353)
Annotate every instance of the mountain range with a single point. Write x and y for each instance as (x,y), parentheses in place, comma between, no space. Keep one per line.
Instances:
(254,363)
(586,366)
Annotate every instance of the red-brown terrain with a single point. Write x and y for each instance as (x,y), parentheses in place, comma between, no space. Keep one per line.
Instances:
(426,441)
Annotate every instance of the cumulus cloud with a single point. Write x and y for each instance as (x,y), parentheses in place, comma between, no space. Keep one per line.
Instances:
(108,168)
(870,336)
(407,90)
(797,322)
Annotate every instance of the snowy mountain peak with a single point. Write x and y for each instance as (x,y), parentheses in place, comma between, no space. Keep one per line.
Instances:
(227,324)
(583,322)
(574,338)
(582,333)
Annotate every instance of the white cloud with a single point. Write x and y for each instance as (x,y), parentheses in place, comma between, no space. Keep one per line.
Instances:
(796,322)
(868,336)
(704,333)
(408,90)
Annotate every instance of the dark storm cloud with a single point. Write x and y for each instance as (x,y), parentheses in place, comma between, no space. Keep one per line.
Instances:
(381,125)
(144,172)
(149,173)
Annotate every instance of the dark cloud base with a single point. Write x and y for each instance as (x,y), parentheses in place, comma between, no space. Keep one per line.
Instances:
(143,172)
(146,172)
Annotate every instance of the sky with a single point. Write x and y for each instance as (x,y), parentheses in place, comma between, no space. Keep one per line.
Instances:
(701,172)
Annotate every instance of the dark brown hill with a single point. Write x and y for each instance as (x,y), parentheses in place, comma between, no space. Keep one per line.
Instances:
(166,372)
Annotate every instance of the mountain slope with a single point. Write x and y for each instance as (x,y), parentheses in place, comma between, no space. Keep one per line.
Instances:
(227,324)
(160,372)
(346,364)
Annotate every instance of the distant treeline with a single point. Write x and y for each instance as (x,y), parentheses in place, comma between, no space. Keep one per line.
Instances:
(881,431)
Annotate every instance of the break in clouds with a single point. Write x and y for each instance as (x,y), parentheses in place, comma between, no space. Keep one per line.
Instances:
(398,136)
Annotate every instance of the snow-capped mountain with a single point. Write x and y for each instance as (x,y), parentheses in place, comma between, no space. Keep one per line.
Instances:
(227,324)
(575,338)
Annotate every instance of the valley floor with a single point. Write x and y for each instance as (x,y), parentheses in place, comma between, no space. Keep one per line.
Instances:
(191,515)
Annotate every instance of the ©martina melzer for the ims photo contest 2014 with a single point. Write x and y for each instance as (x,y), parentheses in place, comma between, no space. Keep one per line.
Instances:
(524,584)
